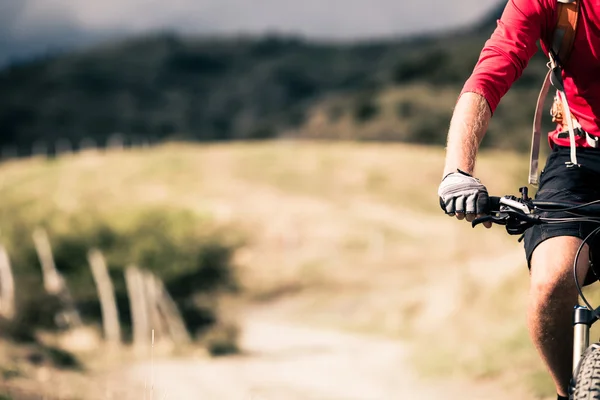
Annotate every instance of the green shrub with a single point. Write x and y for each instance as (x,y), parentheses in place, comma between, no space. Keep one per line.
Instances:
(432,130)
(222,339)
(366,109)
(406,109)
(189,255)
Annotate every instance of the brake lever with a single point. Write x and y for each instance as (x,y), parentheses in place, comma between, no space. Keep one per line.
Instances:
(500,219)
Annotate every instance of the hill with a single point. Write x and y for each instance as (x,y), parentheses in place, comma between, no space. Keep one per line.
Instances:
(333,227)
(168,86)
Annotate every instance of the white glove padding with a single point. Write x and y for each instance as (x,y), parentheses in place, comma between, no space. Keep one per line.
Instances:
(461,193)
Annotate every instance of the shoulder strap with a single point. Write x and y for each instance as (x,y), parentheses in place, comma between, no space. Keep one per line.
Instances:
(560,51)
(566,27)
(537,132)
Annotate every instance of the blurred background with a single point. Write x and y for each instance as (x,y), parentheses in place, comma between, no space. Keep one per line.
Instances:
(234,200)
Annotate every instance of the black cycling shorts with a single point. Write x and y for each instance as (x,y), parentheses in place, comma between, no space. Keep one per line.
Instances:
(571,184)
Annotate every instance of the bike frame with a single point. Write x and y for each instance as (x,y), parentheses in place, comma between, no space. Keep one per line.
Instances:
(583,319)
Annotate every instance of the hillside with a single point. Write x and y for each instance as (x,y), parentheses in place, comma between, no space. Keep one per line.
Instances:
(333,227)
(167,86)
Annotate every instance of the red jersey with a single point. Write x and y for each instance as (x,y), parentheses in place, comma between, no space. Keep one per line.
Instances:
(514,42)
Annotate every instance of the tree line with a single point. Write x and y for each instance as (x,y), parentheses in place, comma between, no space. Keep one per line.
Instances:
(167,86)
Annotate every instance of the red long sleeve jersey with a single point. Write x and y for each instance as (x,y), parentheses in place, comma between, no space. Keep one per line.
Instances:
(513,43)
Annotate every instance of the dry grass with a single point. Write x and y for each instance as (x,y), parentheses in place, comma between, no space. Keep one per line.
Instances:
(354,230)
(306,205)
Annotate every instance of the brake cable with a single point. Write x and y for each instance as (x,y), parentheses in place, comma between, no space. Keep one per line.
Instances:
(577,255)
(570,208)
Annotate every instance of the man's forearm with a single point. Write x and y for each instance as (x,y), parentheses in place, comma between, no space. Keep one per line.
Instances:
(468,126)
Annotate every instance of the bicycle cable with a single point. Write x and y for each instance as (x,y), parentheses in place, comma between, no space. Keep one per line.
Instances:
(554,221)
(579,288)
(574,207)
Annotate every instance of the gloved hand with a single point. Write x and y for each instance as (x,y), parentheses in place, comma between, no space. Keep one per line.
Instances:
(461,194)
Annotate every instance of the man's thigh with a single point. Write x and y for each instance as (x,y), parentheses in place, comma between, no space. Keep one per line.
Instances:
(552,262)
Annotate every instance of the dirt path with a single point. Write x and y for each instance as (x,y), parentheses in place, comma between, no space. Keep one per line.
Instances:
(287,361)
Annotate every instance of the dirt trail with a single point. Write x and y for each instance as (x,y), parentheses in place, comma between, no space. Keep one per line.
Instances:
(287,361)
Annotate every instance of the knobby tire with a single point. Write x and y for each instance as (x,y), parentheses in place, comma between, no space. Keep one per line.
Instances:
(587,376)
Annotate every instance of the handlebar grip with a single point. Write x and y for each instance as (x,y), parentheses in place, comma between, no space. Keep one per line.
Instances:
(495,203)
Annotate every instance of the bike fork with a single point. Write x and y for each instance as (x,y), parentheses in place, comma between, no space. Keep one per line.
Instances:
(582,321)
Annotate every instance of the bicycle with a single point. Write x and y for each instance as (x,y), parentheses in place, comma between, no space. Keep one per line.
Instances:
(518,214)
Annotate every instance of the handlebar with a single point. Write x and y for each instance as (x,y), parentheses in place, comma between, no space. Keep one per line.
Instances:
(520,213)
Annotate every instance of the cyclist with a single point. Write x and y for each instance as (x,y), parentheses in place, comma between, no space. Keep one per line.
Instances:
(549,249)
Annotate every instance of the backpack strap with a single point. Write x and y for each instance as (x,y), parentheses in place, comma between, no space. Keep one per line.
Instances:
(559,53)
(537,132)
(566,28)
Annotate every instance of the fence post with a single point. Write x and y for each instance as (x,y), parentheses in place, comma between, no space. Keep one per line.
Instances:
(7,286)
(152,298)
(54,283)
(137,306)
(153,308)
(106,294)
(168,309)
(51,276)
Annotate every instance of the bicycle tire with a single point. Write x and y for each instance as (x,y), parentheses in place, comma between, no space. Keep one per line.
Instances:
(586,385)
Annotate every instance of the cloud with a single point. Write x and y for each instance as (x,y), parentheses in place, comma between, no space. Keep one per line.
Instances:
(35,27)
(334,18)
(42,24)
(10,14)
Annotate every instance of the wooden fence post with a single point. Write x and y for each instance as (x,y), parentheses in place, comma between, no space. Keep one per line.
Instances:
(106,294)
(168,309)
(152,308)
(7,286)
(51,276)
(157,323)
(54,283)
(137,306)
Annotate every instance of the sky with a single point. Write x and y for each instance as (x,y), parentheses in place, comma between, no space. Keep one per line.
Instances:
(28,26)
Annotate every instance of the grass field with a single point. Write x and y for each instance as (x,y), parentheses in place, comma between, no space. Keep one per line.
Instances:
(352,232)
